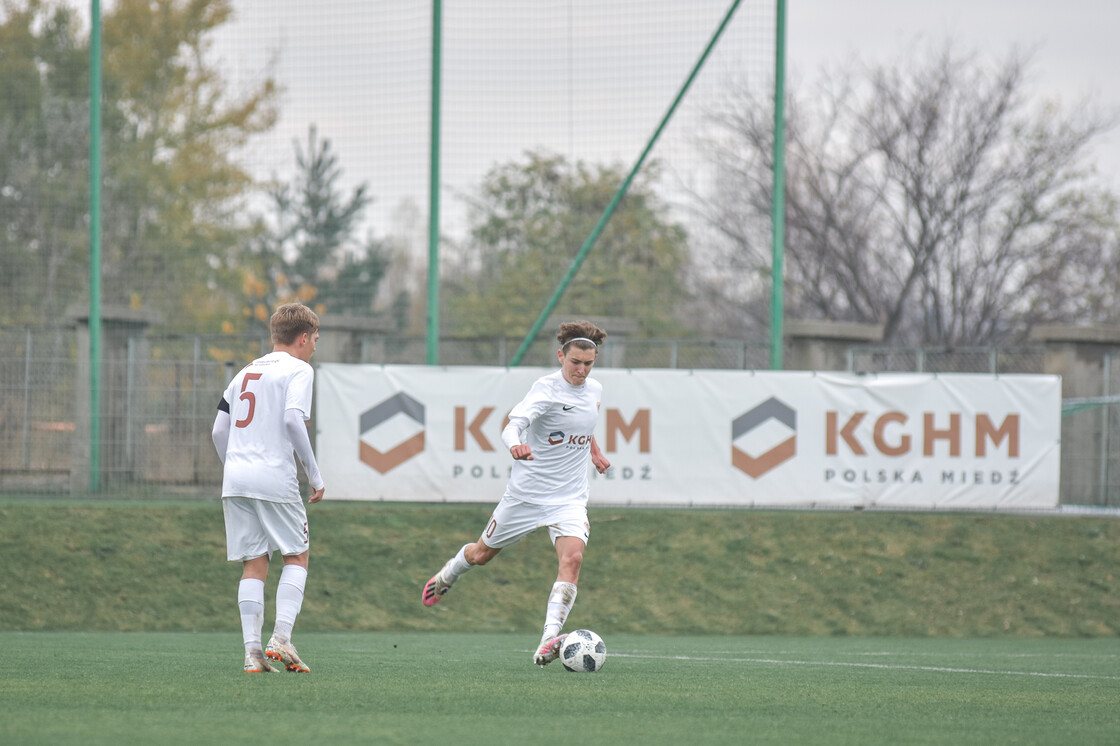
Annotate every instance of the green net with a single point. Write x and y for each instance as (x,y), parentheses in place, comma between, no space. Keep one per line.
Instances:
(258,152)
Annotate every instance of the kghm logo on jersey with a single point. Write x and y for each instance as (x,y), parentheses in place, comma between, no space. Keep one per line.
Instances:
(555,438)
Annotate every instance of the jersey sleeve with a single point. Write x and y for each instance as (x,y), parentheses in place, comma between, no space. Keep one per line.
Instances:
(301,388)
(535,403)
(301,443)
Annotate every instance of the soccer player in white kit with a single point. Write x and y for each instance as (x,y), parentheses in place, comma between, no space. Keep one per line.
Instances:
(550,436)
(260,422)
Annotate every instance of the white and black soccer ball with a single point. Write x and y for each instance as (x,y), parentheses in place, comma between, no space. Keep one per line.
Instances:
(583,651)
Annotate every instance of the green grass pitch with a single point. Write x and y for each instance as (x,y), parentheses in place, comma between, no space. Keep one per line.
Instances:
(476,688)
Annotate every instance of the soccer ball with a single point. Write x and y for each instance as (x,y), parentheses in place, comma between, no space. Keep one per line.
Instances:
(583,651)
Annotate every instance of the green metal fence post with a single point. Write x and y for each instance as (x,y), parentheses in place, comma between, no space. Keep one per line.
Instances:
(95,247)
(778,214)
(433,190)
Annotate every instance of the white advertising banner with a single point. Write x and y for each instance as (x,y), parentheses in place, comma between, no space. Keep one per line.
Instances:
(710,437)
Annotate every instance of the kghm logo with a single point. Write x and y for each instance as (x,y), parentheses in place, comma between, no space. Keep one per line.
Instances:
(771,409)
(374,418)
(555,437)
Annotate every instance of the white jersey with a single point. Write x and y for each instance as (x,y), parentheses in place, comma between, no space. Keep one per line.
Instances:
(557,421)
(259,460)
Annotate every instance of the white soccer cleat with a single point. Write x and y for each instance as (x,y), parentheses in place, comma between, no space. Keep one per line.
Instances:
(286,654)
(548,651)
(256,662)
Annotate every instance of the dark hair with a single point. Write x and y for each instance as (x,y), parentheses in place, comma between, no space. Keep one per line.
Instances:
(290,321)
(583,334)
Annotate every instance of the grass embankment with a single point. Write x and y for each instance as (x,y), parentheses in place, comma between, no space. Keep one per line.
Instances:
(134,566)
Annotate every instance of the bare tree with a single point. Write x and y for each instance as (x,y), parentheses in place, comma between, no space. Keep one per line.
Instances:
(933,197)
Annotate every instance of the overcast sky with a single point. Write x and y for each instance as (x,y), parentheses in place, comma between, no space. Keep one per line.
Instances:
(1076,52)
(591,79)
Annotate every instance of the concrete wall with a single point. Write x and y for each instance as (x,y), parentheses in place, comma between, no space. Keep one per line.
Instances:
(123,341)
(1078,354)
(1083,356)
(823,345)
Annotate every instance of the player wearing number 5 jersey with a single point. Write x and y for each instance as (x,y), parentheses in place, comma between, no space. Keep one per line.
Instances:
(261,421)
(550,436)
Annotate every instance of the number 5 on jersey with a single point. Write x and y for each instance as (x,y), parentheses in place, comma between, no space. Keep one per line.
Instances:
(248,396)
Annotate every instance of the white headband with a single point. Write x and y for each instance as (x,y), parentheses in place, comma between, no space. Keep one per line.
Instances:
(580,339)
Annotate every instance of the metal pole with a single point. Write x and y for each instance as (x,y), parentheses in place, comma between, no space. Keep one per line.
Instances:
(433,191)
(1107,390)
(129,460)
(27,403)
(95,247)
(778,204)
(195,441)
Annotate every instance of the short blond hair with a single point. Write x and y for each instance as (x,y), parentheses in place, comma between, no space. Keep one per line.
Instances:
(290,321)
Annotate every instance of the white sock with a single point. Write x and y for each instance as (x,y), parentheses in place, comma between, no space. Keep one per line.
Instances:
(289,600)
(250,599)
(560,602)
(457,566)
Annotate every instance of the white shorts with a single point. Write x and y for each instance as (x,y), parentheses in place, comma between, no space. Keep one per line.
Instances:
(257,528)
(513,520)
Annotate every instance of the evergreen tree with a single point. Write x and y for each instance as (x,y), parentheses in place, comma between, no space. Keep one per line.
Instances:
(309,250)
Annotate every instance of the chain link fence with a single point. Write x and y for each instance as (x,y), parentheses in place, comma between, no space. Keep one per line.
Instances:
(946,360)
(618,353)
(1090,444)
(159,395)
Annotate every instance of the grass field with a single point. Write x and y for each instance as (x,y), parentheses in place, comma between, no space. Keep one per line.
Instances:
(118,625)
(442,688)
